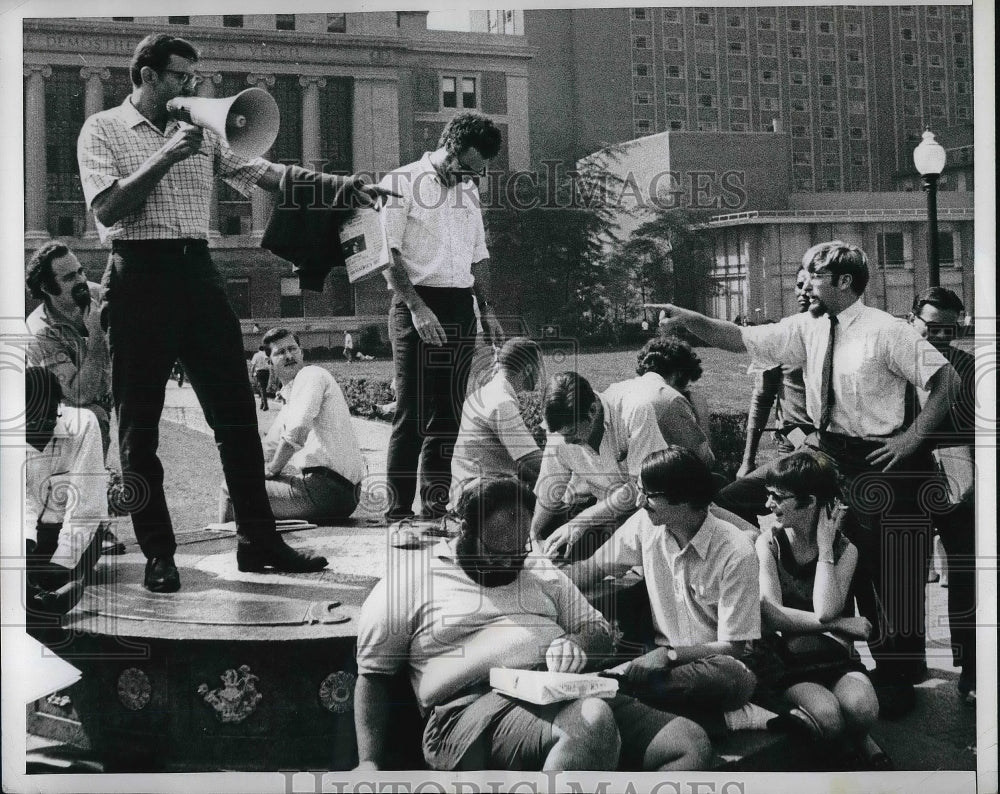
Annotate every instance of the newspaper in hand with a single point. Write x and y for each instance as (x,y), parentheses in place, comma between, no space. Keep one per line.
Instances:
(543,687)
(365,247)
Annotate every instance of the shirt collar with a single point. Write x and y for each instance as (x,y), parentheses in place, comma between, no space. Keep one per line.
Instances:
(131,116)
(427,165)
(851,313)
(702,538)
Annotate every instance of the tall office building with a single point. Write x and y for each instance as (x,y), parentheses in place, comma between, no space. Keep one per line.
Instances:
(853,86)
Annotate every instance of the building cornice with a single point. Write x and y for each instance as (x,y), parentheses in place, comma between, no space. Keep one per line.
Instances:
(768,217)
(76,37)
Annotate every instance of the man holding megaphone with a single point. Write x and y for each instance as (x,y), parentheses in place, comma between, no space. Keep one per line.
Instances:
(148,177)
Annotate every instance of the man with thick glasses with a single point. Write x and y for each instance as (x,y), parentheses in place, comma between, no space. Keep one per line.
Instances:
(148,180)
(440,274)
(857,362)
(448,614)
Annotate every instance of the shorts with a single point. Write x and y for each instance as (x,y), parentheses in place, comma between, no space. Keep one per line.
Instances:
(493,731)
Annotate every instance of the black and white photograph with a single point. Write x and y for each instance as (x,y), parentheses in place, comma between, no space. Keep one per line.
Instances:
(651,455)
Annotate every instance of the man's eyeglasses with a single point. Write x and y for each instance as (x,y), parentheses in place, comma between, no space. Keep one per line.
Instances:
(185,78)
(778,498)
(507,554)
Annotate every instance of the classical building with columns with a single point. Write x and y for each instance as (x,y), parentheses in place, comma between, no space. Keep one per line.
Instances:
(360,92)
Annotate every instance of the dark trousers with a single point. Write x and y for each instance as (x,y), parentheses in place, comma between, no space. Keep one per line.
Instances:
(891,526)
(167,302)
(956,525)
(747,496)
(263,377)
(430,389)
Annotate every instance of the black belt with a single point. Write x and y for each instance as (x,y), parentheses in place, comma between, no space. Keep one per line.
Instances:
(178,247)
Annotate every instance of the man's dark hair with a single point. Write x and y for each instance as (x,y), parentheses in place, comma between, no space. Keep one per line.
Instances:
(39,270)
(42,394)
(518,353)
(155,50)
(274,335)
(806,473)
(568,397)
(841,259)
(471,129)
(940,298)
(481,498)
(680,476)
(666,356)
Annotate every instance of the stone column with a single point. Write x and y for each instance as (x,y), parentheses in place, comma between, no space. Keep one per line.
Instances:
(261,200)
(206,88)
(311,154)
(518,145)
(376,125)
(93,102)
(36,210)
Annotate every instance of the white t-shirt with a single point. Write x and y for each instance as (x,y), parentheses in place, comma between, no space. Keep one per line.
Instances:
(492,435)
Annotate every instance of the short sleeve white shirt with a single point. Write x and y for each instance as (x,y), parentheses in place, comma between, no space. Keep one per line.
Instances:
(708,591)
(438,230)
(429,616)
(571,472)
(492,435)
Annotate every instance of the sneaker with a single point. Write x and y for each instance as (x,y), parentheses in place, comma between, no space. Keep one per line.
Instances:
(278,556)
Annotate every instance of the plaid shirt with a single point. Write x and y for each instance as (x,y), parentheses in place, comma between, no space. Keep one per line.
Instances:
(114,144)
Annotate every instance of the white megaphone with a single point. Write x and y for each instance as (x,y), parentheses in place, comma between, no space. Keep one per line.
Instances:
(247,122)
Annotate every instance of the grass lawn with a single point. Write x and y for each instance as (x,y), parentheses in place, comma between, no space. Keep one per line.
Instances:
(724,383)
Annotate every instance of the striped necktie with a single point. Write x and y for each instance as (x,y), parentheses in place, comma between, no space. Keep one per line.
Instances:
(826,386)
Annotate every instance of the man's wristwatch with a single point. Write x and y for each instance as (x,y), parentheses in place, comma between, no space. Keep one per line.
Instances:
(671,654)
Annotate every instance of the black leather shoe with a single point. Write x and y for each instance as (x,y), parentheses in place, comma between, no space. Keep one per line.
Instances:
(278,556)
(161,575)
(110,545)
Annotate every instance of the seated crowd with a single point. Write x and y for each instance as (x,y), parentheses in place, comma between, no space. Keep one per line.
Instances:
(751,624)
(756,595)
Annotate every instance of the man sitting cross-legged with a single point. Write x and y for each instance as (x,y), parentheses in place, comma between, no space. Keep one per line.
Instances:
(493,440)
(701,575)
(313,462)
(449,614)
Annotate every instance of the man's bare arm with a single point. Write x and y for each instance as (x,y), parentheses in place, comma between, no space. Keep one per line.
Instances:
(129,194)
(371,718)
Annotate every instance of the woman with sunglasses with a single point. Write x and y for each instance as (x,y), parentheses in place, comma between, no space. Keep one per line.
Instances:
(806,569)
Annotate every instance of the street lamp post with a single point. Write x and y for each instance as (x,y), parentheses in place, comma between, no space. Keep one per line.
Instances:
(929,158)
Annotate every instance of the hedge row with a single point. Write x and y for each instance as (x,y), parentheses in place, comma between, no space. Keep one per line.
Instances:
(728,429)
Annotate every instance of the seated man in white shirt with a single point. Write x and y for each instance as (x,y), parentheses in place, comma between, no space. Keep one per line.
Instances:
(701,575)
(596,445)
(66,496)
(448,614)
(312,459)
(493,440)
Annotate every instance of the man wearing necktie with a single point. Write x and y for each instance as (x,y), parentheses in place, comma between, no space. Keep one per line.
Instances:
(857,362)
